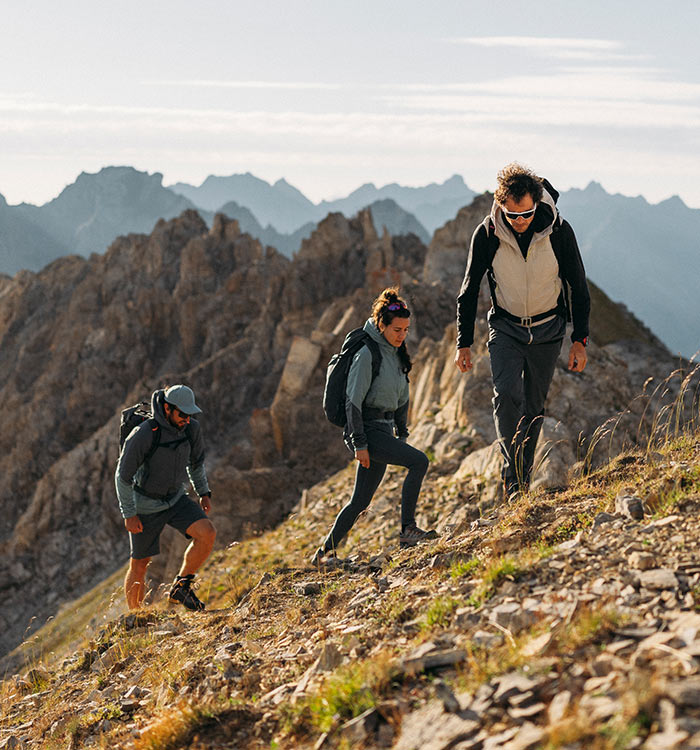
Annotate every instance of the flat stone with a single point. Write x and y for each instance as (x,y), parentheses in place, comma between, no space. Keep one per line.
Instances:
(641,561)
(685,692)
(528,737)
(307,588)
(430,728)
(358,730)
(629,506)
(557,708)
(658,579)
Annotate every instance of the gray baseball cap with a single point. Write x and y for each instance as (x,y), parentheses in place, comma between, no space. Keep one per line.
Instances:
(182,397)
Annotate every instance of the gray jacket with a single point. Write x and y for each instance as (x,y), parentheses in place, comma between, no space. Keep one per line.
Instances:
(388,392)
(154,485)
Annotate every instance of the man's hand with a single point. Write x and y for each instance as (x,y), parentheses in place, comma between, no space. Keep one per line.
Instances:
(205,502)
(463,359)
(577,357)
(363,457)
(133,524)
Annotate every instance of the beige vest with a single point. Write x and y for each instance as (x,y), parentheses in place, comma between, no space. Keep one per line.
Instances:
(525,287)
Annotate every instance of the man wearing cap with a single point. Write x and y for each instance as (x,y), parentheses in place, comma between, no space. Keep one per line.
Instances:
(151,491)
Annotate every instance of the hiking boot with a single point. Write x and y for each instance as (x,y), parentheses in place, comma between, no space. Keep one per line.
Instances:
(323,557)
(182,593)
(413,535)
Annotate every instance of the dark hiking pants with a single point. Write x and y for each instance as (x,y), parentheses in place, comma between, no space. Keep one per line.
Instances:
(522,373)
(384,449)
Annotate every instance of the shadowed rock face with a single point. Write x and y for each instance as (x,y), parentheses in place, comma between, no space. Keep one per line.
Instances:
(251,332)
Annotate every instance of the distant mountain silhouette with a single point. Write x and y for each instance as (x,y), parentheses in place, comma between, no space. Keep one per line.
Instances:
(287,244)
(23,243)
(643,255)
(286,209)
(282,206)
(432,205)
(88,215)
(387,213)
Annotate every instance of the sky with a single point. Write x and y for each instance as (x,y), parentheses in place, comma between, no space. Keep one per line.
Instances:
(330,95)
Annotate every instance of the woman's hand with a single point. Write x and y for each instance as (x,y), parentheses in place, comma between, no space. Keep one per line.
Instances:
(363,457)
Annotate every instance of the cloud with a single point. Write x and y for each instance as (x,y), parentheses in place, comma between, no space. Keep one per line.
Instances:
(204,83)
(562,48)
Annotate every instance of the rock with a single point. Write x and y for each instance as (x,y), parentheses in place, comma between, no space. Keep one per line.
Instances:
(430,728)
(307,588)
(685,693)
(486,640)
(600,520)
(658,579)
(528,737)
(444,694)
(12,743)
(630,506)
(641,561)
(328,659)
(357,731)
(512,616)
(558,707)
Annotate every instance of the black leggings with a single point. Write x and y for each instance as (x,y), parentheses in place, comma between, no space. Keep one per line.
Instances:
(384,449)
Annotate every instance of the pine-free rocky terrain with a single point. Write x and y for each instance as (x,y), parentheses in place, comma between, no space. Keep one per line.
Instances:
(570,619)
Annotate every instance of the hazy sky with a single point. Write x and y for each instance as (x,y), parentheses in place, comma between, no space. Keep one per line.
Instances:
(332,94)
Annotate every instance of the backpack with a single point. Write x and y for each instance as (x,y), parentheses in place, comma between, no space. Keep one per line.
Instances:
(337,373)
(135,415)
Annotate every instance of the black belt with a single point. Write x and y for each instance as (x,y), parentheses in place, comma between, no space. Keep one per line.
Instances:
(370,413)
(165,498)
(527,322)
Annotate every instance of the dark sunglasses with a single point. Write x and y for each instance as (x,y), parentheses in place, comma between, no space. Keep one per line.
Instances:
(394,306)
(181,414)
(513,215)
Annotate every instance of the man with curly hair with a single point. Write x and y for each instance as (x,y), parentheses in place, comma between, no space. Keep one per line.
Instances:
(537,281)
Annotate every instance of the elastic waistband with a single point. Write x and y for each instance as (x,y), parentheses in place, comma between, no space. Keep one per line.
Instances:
(370,413)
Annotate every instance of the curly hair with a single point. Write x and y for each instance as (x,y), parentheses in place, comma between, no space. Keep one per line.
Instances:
(382,314)
(516,181)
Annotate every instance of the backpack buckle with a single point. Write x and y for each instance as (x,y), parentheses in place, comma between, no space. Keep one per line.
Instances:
(527,322)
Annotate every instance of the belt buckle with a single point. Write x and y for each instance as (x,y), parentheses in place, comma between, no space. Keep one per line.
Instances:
(527,322)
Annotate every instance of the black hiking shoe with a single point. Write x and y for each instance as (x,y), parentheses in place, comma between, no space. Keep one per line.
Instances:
(323,557)
(413,535)
(182,593)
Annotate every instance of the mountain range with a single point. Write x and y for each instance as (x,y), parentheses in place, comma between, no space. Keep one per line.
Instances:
(640,254)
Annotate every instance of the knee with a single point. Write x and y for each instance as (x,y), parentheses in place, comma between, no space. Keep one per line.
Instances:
(204,532)
(421,463)
(138,567)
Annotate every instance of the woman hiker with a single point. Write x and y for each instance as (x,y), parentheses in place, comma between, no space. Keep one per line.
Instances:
(376,433)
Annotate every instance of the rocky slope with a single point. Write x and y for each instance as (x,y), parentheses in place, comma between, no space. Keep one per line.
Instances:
(251,332)
(569,620)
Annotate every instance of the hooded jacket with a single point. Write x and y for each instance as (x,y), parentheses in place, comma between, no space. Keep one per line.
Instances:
(153,486)
(388,392)
(530,284)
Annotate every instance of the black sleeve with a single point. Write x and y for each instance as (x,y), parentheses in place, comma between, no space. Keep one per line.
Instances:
(400,416)
(574,275)
(477,263)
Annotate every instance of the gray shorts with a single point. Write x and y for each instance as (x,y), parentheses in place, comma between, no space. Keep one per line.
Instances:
(180,516)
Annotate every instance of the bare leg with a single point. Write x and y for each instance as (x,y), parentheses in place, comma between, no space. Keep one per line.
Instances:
(135,582)
(203,535)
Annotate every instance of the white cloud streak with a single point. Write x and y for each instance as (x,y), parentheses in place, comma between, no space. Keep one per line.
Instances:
(262,85)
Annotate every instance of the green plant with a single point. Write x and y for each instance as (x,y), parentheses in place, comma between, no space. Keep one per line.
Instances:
(440,611)
(462,568)
(496,571)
